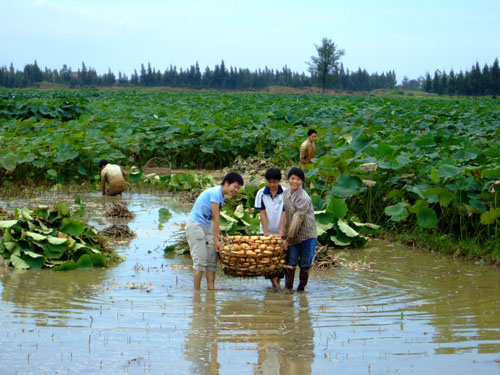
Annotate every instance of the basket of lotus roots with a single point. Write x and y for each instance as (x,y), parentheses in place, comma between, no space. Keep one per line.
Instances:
(251,256)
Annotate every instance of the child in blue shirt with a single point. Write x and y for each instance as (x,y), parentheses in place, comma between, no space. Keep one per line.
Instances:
(269,200)
(202,228)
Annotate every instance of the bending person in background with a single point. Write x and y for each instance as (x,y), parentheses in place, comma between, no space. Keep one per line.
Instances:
(115,176)
(300,230)
(202,228)
(269,201)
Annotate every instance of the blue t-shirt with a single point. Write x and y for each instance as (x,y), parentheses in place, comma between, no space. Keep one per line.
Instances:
(202,209)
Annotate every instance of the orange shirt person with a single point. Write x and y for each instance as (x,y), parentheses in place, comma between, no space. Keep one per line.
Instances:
(308,147)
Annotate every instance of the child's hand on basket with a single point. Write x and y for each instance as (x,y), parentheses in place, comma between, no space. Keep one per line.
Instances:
(284,245)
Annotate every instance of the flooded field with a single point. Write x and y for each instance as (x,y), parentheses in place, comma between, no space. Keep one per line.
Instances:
(387,310)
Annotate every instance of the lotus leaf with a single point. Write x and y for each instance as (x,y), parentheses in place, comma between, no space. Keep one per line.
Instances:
(6,224)
(397,212)
(164,214)
(72,227)
(36,236)
(346,229)
(427,218)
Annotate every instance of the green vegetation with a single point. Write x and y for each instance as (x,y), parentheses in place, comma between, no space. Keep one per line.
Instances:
(50,238)
(424,166)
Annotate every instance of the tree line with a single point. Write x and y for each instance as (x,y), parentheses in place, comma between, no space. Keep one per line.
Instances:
(476,82)
(220,77)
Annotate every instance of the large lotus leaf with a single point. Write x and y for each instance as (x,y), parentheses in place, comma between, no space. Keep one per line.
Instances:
(164,214)
(419,205)
(318,202)
(340,241)
(346,229)
(491,173)
(18,262)
(53,251)
(359,241)
(337,207)
(446,170)
(346,186)
(69,265)
(72,227)
(34,263)
(84,262)
(8,162)
(427,218)
(490,216)
(397,212)
(36,236)
(361,143)
(6,224)
(324,222)
(445,196)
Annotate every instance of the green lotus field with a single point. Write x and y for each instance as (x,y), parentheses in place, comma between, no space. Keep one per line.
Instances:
(429,167)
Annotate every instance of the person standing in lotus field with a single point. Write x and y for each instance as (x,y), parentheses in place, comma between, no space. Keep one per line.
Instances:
(300,237)
(269,201)
(308,148)
(202,228)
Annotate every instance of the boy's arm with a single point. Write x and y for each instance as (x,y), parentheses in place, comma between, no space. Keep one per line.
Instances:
(216,225)
(282,224)
(103,187)
(263,220)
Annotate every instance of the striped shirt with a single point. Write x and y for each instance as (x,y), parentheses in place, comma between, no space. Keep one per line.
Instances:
(300,202)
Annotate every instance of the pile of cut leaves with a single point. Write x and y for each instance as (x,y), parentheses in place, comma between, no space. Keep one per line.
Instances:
(51,238)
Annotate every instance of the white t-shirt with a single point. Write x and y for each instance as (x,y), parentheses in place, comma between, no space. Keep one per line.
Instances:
(274,208)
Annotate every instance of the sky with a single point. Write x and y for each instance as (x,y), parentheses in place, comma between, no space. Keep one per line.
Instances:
(409,37)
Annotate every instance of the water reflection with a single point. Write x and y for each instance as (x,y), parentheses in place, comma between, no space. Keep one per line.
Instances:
(275,330)
(201,343)
(51,298)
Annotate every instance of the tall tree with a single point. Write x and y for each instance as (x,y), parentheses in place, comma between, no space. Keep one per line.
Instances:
(495,79)
(326,63)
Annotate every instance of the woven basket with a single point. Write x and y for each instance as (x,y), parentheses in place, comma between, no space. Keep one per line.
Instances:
(252,256)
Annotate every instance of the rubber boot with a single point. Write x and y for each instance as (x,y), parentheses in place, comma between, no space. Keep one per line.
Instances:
(289,276)
(303,277)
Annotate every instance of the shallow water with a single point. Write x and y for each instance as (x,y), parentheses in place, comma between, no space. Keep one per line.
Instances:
(388,310)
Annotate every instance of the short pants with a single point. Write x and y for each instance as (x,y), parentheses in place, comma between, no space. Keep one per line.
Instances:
(203,253)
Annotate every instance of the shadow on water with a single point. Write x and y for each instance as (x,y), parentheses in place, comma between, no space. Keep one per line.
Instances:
(388,309)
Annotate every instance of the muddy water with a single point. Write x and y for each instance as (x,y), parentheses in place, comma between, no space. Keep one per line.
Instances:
(387,310)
